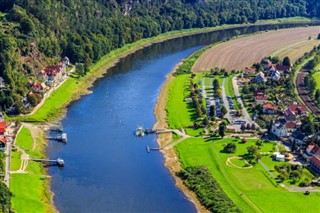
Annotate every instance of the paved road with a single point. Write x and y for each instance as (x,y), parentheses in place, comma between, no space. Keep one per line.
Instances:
(303,92)
(7,172)
(245,114)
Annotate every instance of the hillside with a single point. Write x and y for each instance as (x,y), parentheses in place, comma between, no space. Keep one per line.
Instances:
(34,34)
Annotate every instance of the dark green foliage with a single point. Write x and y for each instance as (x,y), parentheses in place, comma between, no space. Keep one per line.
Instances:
(201,182)
(5,198)
(230,148)
(286,61)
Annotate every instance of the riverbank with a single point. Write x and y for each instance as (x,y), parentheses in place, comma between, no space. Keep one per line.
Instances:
(55,106)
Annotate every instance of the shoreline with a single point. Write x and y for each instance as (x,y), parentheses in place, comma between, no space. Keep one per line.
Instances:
(171,160)
(100,68)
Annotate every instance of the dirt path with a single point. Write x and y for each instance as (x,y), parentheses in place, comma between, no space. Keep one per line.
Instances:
(229,163)
(243,52)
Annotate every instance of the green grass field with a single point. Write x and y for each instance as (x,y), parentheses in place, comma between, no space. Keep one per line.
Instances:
(31,190)
(180,113)
(250,189)
(317,78)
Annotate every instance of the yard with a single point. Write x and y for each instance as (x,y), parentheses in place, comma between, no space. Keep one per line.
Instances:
(317,78)
(249,188)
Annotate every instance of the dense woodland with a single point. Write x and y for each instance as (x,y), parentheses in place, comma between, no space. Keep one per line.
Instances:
(37,33)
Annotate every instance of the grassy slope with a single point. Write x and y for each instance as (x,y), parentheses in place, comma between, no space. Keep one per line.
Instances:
(317,78)
(31,194)
(251,182)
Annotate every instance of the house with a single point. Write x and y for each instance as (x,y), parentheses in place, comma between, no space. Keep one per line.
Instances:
(54,73)
(278,157)
(283,70)
(275,76)
(298,137)
(312,149)
(260,97)
(3,127)
(2,85)
(289,115)
(66,61)
(291,126)
(249,71)
(279,129)
(269,108)
(260,78)
(38,87)
(314,162)
(42,75)
(298,109)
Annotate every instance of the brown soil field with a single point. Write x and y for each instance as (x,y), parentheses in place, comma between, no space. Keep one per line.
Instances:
(297,50)
(245,51)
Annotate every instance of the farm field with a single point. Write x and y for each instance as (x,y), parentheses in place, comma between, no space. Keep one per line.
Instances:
(296,50)
(249,188)
(243,52)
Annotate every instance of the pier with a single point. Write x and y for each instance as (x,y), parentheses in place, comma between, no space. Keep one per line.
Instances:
(59,161)
(152,149)
(61,137)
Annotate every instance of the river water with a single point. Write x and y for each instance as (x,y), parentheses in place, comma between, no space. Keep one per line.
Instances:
(107,168)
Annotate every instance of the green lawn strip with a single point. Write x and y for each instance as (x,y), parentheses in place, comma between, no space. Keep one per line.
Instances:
(179,112)
(317,79)
(287,20)
(253,182)
(15,161)
(31,190)
(24,139)
(194,132)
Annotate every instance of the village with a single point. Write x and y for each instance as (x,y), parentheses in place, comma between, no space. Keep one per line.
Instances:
(264,105)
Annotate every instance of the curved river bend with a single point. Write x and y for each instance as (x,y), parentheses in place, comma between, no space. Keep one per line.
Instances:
(107,168)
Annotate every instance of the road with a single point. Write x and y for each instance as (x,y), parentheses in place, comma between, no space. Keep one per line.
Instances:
(245,114)
(303,92)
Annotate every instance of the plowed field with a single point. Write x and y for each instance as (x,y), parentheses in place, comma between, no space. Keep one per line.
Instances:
(240,53)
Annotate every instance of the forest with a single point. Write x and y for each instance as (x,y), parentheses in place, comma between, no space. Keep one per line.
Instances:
(34,34)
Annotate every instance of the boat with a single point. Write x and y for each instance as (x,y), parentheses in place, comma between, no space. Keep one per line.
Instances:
(140,131)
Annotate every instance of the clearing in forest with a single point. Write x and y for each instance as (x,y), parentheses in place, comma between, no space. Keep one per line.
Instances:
(243,52)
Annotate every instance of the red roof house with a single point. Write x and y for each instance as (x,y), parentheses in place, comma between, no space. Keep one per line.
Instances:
(3,126)
(315,163)
(269,108)
(282,69)
(298,109)
(3,140)
(312,149)
(260,97)
(249,71)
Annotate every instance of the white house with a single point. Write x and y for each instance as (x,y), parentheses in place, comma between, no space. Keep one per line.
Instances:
(275,76)
(279,129)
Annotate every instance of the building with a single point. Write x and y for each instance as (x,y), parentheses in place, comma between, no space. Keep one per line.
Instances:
(260,78)
(314,162)
(275,76)
(279,129)
(249,71)
(2,84)
(291,126)
(260,97)
(298,137)
(269,108)
(283,70)
(38,87)
(298,109)
(312,149)
(289,115)
(52,74)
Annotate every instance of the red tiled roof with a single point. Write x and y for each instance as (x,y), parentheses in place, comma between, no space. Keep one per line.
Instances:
(249,70)
(316,160)
(296,107)
(260,98)
(312,148)
(269,106)
(282,67)
(3,126)
(291,125)
(3,140)
(288,112)
(259,92)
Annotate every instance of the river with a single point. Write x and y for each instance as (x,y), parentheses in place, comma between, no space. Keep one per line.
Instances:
(107,168)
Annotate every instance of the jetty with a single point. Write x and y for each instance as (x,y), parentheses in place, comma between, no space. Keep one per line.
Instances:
(63,137)
(59,161)
(57,128)
(151,149)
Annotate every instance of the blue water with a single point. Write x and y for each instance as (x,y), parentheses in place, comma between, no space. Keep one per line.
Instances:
(107,168)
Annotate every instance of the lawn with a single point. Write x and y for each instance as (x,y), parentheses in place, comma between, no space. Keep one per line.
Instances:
(246,187)
(317,78)
(31,191)
(179,112)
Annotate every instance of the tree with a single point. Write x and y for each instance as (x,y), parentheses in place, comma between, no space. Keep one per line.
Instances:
(212,111)
(221,130)
(275,59)
(317,94)
(245,89)
(215,84)
(5,198)
(318,36)
(252,150)
(293,146)
(243,127)
(223,110)
(219,93)
(230,148)
(253,126)
(286,61)
(259,143)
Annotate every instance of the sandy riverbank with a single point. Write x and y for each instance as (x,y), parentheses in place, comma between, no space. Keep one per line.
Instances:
(170,156)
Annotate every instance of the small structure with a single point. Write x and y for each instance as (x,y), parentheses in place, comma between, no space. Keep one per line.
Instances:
(260,97)
(260,78)
(314,162)
(38,87)
(2,84)
(279,129)
(269,108)
(279,157)
(298,137)
(291,126)
(139,132)
(62,137)
(249,71)
(312,149)
(275,76)
(59,161)
(283,70)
